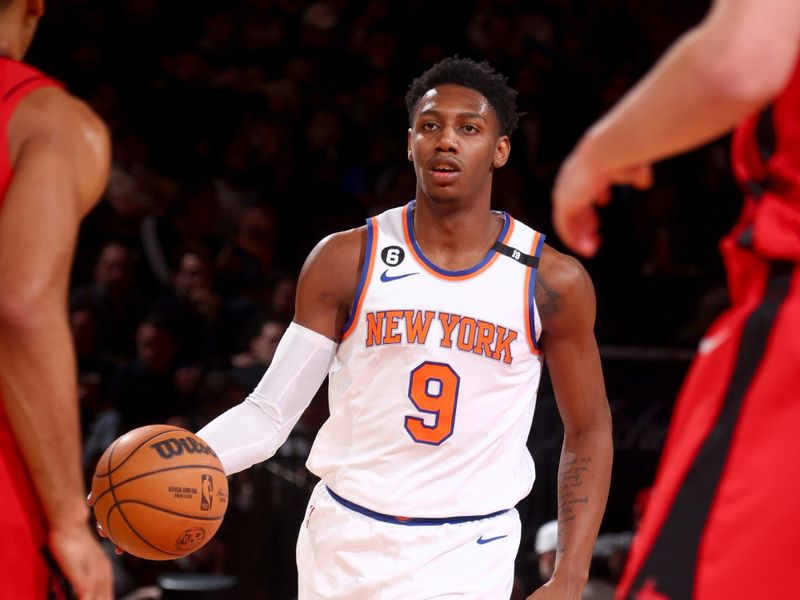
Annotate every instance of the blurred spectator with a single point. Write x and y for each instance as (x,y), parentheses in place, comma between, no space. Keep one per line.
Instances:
(262,342)
(546,545)
(247,261)
(192,306)
(282,298)
(94,370)
(112,296)
(134,189)
(192,216)
(144,391)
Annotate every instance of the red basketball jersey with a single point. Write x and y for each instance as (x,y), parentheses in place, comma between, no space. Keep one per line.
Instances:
(766,161)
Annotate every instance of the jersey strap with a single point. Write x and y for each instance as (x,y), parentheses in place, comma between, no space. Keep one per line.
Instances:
(517,255)
(17,80)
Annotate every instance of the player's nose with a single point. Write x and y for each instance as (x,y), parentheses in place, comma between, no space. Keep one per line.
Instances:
(447,141)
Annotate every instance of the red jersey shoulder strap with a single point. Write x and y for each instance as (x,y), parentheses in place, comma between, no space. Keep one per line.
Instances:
(17,80)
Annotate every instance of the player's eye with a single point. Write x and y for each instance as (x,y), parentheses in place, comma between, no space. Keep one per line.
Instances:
(469,128)
(429,126)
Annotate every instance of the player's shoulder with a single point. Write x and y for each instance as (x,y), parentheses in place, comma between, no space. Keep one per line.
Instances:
(51,122)
(562,270)
(328,281)
(337,258)
(341,247)
(54,115)
(563,288)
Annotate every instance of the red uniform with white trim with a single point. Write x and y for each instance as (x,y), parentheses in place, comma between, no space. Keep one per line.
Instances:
(722,521)
(22,524)
(432,394)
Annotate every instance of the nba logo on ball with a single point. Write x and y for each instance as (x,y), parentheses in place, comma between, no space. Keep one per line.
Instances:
(206,492)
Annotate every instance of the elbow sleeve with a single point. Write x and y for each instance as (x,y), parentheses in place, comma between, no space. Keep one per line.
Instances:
(254,430)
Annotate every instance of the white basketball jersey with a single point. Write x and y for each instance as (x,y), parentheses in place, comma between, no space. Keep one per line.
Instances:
(433,389)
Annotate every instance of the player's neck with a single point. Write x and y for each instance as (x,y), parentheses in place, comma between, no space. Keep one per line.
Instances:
(455,236)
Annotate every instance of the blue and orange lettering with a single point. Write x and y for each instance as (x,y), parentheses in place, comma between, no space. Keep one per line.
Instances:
(467,329)
(391,336)
(375,327)
(484,339)
(448,324)
(417,325)
(502,346)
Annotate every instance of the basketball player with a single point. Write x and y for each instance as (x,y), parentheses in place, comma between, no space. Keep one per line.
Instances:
(433,321)
(54,159)
(726,492)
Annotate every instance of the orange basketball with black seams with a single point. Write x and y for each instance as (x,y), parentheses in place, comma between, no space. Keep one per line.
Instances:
(159,492)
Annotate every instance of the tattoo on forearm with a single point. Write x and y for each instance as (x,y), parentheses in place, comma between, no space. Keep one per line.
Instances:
(571,474)
(546,297)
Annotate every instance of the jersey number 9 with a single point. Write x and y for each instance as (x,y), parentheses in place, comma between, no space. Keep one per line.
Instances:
(433,389)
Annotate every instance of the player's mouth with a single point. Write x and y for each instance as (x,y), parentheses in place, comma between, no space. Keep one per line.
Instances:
(444,170)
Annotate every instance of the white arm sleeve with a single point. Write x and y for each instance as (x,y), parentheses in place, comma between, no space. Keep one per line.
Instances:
(254,430)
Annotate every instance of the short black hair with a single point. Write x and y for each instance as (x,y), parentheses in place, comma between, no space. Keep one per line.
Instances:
(479,76)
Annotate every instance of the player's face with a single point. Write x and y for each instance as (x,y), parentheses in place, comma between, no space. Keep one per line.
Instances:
(455,144)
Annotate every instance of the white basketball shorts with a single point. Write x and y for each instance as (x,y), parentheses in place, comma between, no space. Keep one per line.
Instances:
(344,554)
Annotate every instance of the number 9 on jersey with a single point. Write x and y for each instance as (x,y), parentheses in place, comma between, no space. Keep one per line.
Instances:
(433,389)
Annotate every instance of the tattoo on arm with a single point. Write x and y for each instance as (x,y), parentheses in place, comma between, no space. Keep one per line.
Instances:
(546,297)
(570,481)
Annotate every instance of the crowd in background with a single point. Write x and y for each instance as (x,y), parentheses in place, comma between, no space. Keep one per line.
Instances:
(245,131)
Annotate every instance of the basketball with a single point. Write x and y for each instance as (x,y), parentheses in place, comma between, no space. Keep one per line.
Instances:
(159,492)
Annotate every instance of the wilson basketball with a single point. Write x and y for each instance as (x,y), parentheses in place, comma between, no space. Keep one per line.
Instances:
(159,492)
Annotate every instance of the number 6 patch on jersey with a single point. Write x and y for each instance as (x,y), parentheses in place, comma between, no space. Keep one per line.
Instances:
(433,389)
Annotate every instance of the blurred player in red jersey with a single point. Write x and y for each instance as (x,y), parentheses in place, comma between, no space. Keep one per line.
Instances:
(727,487)
(54,161)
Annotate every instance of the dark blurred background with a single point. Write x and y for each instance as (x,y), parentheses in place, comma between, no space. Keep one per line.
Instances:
(245,131)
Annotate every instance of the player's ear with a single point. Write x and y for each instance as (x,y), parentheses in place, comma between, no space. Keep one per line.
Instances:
(410,154)
(502,151)
(34,8)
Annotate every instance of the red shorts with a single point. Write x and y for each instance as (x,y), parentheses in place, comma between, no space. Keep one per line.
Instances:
(723,517)
(22,528)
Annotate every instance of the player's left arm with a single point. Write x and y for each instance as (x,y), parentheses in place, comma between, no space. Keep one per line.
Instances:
(566,303)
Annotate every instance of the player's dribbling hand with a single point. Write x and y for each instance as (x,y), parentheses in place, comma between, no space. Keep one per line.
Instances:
(99,528)
(82,561)
(581,186)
